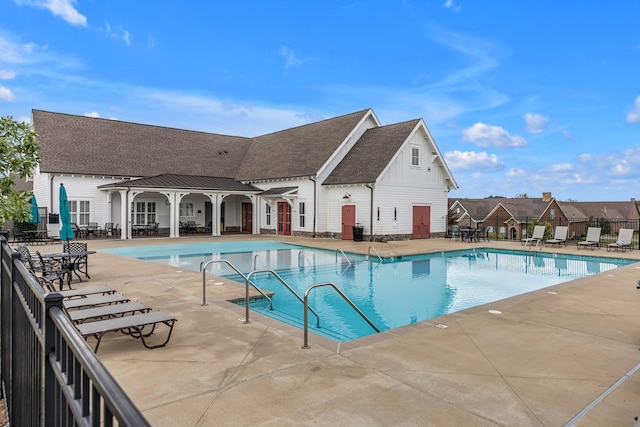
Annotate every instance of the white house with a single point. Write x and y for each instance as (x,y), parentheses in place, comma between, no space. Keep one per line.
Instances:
(320,179)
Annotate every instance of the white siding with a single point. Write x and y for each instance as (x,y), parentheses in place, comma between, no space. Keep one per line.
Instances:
(360,197)
(403,186)
(305,194)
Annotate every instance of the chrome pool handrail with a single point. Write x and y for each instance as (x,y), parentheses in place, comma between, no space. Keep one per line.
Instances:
(203,268)
(342,294)
(375,251)
(286,285)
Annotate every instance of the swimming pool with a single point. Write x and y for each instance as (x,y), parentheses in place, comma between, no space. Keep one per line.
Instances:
(393,293)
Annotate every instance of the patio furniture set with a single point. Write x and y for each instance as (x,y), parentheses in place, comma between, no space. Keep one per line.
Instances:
(623,243)
(468,234)
(94,310)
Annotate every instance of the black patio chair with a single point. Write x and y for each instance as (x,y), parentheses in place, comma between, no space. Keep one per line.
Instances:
(81,263)
(92,229)
(18,236)
(46,274)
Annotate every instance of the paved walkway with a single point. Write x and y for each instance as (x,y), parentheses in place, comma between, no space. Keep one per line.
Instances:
(548,356)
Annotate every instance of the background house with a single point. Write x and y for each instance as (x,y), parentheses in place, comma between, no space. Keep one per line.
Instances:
(320,179)
(510,218)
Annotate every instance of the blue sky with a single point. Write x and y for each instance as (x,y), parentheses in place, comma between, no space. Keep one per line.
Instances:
(521,97)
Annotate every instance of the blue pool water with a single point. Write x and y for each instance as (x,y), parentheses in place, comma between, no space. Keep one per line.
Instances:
(393,293)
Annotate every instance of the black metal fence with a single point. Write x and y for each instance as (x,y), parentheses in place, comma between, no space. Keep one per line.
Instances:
(512,228)
(50,376)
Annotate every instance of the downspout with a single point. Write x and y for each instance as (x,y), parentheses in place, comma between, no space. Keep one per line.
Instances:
(315,192)
(370,186)
(128,214)
(51,195)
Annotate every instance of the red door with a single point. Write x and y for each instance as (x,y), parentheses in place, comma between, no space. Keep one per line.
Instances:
(247,218)
(421,222)
(348,221)
(284,218)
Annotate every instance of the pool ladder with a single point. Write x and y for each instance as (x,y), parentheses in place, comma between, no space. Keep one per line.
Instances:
(203,268)
(286,285)
(374,251)
(302,257)
(342,294)
(344,255)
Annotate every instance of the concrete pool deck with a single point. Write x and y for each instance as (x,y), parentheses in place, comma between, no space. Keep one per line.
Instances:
(548,356)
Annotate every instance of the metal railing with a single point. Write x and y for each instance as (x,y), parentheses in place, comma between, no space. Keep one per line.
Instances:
(286,285)
(203,268)
(50,375)
(516,228)
(302,257)
(343,295)
(344,255)
(374,251)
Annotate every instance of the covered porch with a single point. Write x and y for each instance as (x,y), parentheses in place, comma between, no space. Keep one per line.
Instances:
(174,205)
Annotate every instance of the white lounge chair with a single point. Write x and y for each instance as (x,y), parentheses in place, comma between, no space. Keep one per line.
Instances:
(593,238)
(625,237)
(536,237)
(560,236)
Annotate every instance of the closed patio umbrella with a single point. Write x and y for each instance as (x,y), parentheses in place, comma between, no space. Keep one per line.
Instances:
(35,215)
(66,233)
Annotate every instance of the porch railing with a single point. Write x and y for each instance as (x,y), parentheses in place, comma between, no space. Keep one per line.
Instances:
(49,375)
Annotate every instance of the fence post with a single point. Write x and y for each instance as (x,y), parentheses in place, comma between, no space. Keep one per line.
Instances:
(50,342)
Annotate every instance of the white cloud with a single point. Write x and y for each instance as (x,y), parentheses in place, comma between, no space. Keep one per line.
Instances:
(516,172)
(634,115)
(536,123)
(93,114)
(470,160)
(290,58)
(621,168)
(7,74)
(118,33)
(6,94)
(561,167)
(569,135)
(487,136)
(585,157)
(448,4)
(63,8)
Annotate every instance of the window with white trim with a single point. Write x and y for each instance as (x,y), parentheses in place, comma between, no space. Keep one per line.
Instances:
(415,156)
(80,211)
(267,211)
(301,213)
(186,209)
(143,213)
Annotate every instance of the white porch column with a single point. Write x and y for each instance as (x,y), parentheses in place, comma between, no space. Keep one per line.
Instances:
(129,207)
(171,196)
(255,220)
(124,215)
(215,218)
(175,214)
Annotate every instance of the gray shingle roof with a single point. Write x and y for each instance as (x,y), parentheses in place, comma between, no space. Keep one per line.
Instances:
(145,150)
(478,209)
(371,154)
(85,145)
(185,181)
(297,152)
(277,191)
(627,210)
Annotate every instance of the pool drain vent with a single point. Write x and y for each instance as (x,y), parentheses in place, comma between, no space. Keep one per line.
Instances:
(441,326)
(495,312)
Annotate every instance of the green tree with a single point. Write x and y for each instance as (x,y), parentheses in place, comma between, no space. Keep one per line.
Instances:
(18,157)
(605,224)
